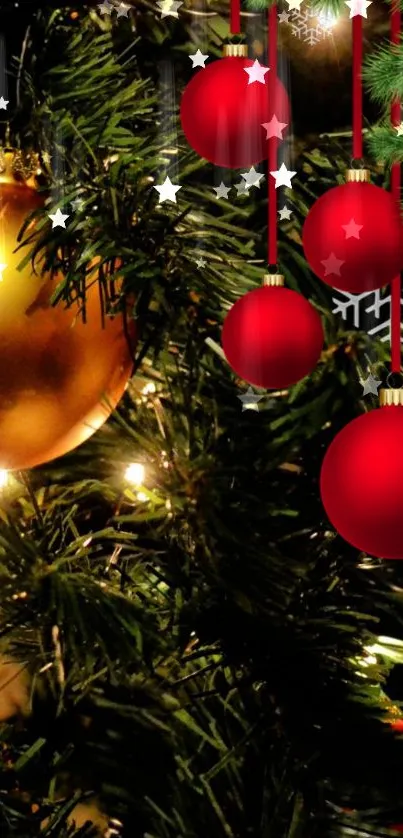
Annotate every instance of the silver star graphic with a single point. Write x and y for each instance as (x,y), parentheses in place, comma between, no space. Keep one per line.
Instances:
(250,400)
(123,10)
(201,263)
(105,8)
(222,190)
(3,103)
(242,188)
(370,385)
(252,177)
(169,8)
(77,204)
(198,59)
(284,17)
(284,214)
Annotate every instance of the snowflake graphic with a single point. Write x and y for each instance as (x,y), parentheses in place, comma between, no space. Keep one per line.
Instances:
(366,310)
(309,26)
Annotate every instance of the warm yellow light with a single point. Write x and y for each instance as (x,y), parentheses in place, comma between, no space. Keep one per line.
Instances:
(149,388)
(326,20)
(135,474)
(2,268)
(3,477)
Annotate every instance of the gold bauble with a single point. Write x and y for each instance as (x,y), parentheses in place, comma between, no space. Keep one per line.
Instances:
(60,377)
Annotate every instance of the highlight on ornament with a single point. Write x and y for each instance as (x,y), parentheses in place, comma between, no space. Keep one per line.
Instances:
(327,20)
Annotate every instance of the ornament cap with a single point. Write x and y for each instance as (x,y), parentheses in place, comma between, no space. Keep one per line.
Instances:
(358,176)
(391,396)
(19,167)
(273,279)
(235,51)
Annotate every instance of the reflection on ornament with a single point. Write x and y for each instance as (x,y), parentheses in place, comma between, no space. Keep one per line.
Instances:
(60,377)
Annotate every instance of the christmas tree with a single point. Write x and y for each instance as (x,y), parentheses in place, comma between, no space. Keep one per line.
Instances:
(188,646)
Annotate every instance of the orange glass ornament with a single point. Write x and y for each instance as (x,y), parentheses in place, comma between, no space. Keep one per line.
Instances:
(60,377)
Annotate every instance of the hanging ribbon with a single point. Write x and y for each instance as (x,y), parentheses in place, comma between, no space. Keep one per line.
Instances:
(273,141)
(357,87)
(395,115)
(235,17)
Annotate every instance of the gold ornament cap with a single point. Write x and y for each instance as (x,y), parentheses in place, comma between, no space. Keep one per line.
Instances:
(273,279)
(358,176)
(235,51)
(391,396)
(18,167)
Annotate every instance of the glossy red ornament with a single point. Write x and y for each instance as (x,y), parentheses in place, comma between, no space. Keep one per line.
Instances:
(361,482)
(353,238)
(272,337)
(222,114)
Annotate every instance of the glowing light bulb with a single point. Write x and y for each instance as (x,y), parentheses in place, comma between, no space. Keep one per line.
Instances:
(149,388)
(3,478)
(135,474)
(326,20)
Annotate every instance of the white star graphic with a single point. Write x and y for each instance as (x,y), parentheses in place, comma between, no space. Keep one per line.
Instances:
(274,128)
(167,191)
(284,17)
(3,103)
(105,8)
(257,72)
(169,8)
(198,59)
(284,214)
(222,190)
(123,10)
(250,400)
(358,7)
(294,4)
(399,129)
(283,176)
(201,263)
(2,268)
(58,219)
(252,177)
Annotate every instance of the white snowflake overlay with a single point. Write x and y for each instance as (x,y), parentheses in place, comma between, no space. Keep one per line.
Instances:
(307,26)
(367,309)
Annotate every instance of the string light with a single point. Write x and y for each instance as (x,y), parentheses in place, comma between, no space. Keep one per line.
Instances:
(4,478)
(135,474)
(148,388)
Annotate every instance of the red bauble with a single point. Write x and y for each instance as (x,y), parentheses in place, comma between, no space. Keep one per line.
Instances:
(366,255)
(222,114)
(361,482)
(272,337)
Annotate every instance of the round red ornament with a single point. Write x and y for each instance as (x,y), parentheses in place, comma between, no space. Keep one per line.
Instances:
(222,114)
(272,337)
(353,236)
(361,480)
